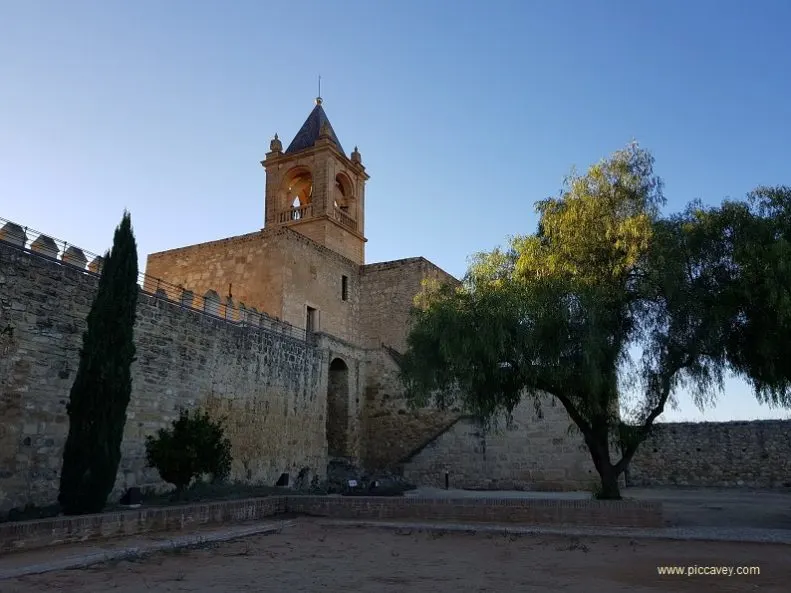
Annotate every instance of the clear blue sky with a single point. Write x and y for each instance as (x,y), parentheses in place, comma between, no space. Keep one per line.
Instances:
(465,113)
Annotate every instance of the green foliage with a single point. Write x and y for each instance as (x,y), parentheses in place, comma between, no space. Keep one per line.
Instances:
(701,293)
(103,383)
(193,446)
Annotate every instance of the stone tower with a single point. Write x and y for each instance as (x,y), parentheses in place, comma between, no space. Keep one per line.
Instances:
(315,189)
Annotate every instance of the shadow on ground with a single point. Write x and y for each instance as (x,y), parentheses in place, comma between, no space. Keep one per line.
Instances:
(720,507)
(683,507)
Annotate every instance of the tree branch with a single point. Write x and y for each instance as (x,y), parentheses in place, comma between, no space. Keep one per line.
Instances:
(645,427)
(572,411)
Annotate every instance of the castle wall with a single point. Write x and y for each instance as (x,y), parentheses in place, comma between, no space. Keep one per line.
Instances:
(755,454)
(345,417)
(388,292)
(312,276)
(247,264)
(278,271)
(392,429)
(271,387)
(344,242)
(534,453)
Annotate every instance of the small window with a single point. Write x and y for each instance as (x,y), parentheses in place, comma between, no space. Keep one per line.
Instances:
(311,322)
(345,288)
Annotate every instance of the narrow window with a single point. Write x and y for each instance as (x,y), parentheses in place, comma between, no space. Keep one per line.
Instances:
(311,321)
(345,288)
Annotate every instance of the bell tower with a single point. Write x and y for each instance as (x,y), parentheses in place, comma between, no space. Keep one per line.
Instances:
(315,189)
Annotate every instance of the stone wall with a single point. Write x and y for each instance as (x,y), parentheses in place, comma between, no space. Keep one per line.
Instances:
(344,391)
(533,453)
(392,429)
(277,271)
(270,386)
(44,533)
(723,454)
(388,291)
(313,276)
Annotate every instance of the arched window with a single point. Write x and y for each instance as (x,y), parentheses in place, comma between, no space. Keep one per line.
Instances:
(342,193)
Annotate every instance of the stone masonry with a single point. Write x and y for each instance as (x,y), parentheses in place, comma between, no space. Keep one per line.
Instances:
(387,293)
(277,271)
(538,450)
(753,454)
(271,387)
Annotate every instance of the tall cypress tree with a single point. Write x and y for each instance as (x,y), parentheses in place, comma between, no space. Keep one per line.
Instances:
(103,385)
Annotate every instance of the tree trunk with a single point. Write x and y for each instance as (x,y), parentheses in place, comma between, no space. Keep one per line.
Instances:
(610,490)
(599,448)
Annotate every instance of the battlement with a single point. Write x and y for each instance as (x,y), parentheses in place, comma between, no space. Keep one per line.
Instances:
(41,245)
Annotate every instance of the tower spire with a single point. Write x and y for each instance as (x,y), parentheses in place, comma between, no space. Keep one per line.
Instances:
(318,97)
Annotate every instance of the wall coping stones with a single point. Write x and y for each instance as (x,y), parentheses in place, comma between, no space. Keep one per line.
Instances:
(40,533)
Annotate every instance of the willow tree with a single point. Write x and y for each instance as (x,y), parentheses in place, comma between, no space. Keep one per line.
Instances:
(560,312)
(103,383)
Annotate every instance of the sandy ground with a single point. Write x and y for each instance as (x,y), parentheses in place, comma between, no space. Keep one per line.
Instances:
(309,558)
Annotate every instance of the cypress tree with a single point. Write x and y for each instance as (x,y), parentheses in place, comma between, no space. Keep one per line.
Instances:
(103,384)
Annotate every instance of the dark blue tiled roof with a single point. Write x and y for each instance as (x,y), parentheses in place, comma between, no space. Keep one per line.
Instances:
(309,132)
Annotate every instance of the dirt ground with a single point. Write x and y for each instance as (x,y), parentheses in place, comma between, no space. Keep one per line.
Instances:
(726,507)
(310,558)
(682,507)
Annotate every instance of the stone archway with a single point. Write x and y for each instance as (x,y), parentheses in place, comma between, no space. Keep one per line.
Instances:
(338,409)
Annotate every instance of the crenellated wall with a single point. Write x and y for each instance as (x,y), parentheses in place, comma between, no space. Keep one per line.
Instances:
(272,387)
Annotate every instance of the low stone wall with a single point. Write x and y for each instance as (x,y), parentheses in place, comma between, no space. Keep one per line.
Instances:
(591,513)
(29,535)
(754,454)
(41,533)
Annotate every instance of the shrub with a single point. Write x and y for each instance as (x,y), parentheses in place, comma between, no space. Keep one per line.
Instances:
(194,445)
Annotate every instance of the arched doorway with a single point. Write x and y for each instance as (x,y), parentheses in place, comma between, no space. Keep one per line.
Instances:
(337,408)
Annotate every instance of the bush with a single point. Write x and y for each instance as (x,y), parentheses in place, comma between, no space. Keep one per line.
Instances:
(193,446)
